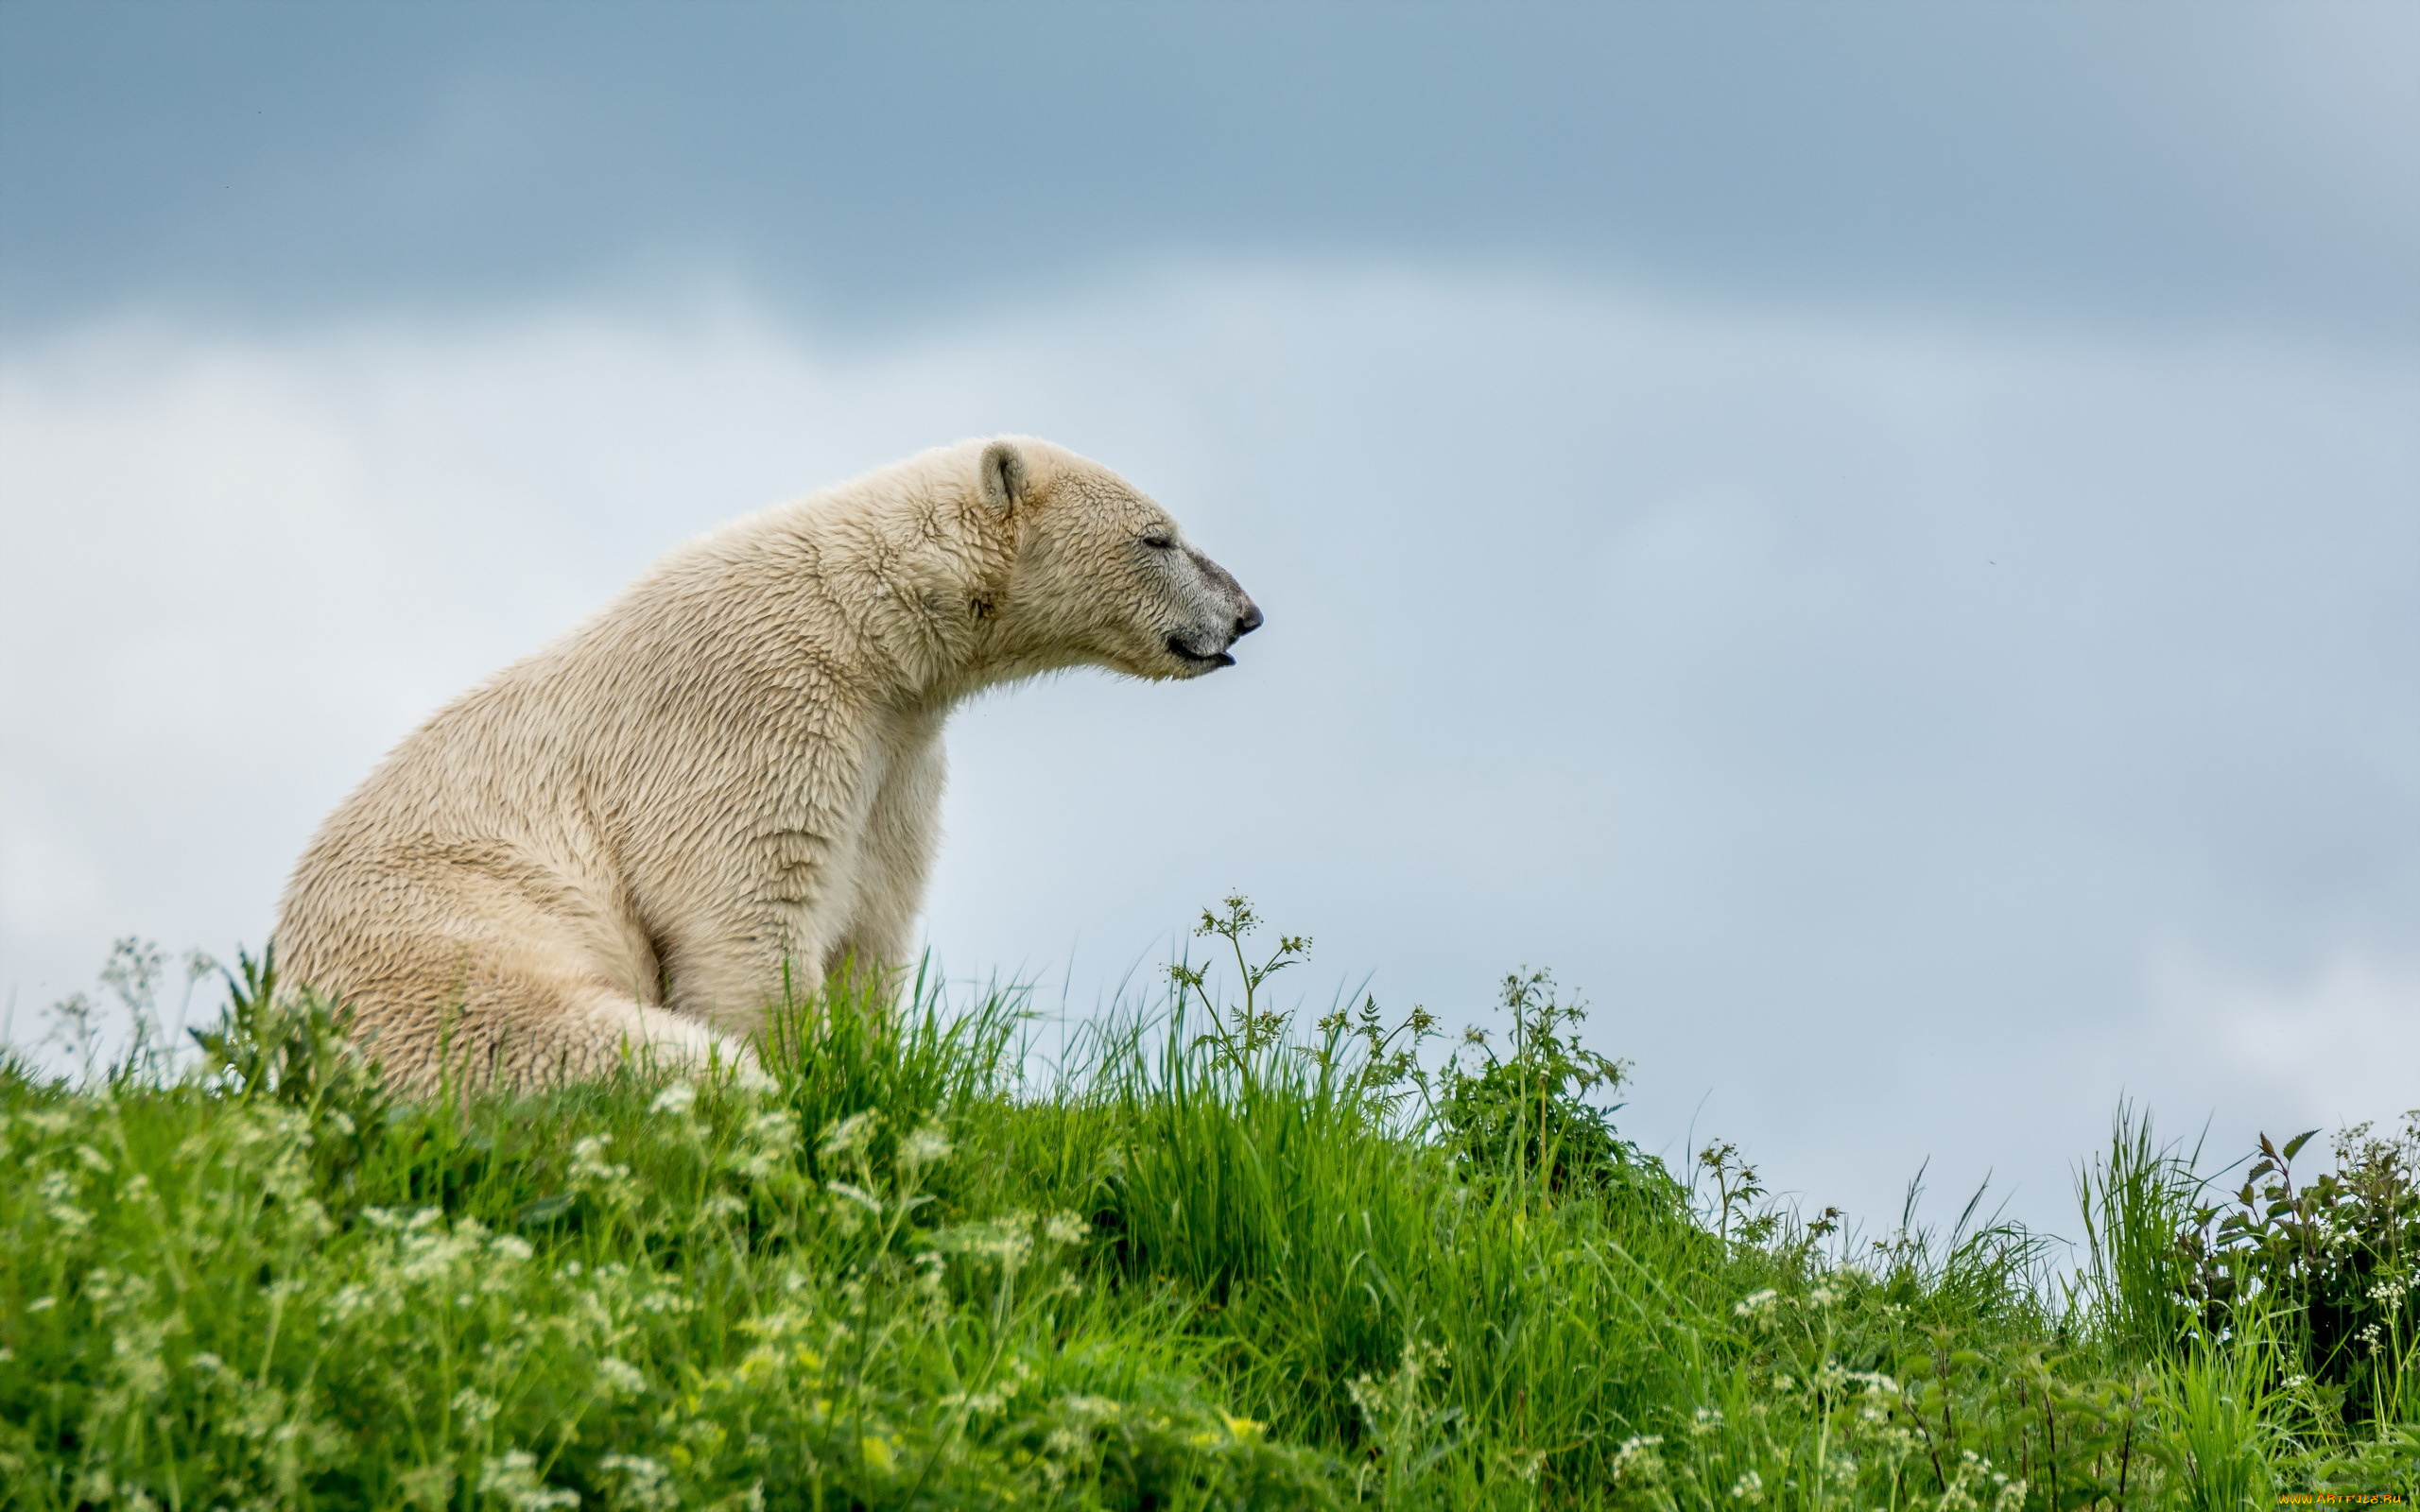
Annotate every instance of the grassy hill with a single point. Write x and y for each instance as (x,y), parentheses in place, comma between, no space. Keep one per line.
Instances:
(1219,1260)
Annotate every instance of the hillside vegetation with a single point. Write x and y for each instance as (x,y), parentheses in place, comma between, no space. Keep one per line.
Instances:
(1218,1259)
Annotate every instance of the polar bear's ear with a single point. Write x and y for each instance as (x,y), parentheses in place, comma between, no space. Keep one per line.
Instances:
(1003,475)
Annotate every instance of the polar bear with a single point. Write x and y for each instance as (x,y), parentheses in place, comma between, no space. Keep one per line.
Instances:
(733,771)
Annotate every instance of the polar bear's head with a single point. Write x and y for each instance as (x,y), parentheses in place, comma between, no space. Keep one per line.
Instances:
(1102,574)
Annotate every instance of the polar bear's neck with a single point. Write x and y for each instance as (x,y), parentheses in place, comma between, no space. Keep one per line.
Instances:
(886,597)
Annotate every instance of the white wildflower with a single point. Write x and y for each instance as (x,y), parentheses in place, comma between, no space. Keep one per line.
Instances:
(857,1194)
(56,1188)
(428,1485)
(1757,1304)
(767,1143)
(1637,1460)
(777,1133)
(928,1146)
(647,1485)
(514,1478)
(1065,1228)
(475,1409)
(1957,1497)
(430,1254)
(1007,1240)
(1064,1442)
(590,1170)
(675,1100)
(851,1136)
(620,1378)
(354,1298)
(665,1301)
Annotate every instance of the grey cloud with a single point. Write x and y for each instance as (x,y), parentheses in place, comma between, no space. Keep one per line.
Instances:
(895,166)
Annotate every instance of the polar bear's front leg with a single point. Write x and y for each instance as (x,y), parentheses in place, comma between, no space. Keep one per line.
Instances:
(728,980)
(894,859)
(756,922)
(840,878)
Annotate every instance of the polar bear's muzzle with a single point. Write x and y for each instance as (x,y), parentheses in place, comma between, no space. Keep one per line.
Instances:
(1225,614)
(1209,652)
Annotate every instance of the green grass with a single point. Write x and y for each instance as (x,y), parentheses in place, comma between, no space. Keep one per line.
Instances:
(1214,1260)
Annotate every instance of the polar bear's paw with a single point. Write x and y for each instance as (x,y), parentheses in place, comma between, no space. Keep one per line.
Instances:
(661,1041)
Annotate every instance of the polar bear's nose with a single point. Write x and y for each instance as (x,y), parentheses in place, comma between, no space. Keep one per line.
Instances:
(1249,620)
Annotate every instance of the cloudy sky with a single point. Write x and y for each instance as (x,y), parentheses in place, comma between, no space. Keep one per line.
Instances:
(1877,541)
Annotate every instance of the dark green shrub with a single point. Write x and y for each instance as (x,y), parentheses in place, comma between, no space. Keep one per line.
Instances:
(2331,1261)
(1526,1116)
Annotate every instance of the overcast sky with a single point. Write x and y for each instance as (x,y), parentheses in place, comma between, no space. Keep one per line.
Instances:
(1879,542)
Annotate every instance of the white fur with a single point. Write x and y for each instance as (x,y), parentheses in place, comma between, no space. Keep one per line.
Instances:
(734,769)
